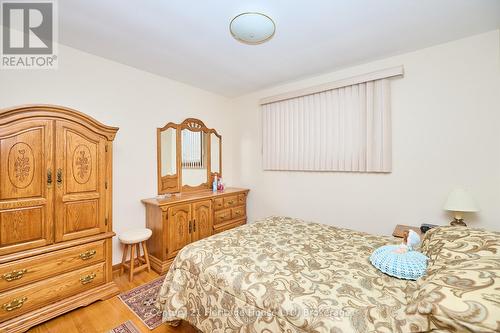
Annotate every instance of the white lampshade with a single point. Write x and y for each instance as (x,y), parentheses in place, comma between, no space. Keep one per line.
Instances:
(459,200)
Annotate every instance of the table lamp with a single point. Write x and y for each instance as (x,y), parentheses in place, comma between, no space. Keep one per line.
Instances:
(459,200)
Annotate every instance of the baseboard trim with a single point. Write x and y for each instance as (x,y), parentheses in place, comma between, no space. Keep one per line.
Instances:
(160,267)
(115,269)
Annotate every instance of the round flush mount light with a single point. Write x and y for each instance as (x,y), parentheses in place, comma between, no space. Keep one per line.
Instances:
(252,28)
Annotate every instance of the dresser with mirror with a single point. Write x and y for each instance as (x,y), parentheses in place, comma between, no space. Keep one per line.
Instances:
(189,157)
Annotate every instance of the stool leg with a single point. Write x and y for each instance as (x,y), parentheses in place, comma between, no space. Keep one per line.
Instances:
(124,258)
(138,250)
(146,255)
(132,259)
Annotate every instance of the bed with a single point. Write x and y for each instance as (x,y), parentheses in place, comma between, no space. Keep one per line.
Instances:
(286,275)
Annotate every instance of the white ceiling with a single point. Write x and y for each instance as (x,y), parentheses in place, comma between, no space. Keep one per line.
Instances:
(189,41)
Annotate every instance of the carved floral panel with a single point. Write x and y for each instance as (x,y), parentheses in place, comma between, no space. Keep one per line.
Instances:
(21,165)
(82,164)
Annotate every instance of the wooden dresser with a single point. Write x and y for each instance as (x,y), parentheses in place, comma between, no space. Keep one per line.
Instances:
(184,218)
(55,213)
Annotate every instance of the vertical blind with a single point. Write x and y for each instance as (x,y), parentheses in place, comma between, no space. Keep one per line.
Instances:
(343,129)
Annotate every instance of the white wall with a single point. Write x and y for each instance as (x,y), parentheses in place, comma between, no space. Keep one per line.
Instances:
(446,132)
(131,99)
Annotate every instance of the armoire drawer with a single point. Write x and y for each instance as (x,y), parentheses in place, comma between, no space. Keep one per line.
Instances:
(222,216)
(20,300)
(21,272)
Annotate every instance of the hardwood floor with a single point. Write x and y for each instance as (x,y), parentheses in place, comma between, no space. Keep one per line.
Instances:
(102,316)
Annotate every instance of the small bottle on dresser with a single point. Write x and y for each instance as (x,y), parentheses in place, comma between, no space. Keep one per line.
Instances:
(215,184)
(220,185)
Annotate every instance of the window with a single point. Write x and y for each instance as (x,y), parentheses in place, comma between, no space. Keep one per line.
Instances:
(347,128)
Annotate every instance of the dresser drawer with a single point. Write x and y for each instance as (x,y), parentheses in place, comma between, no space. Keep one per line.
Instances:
(18,301)
(24,271)
(222,216)
(218,203)
(229,226)
(230,201)
(238,212)
(242,198)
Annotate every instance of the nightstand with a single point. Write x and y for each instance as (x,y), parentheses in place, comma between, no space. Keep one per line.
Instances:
(401,228)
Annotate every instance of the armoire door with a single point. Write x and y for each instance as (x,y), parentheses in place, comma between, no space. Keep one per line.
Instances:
(80,176)
(202,220)
(179,228)
(26,191)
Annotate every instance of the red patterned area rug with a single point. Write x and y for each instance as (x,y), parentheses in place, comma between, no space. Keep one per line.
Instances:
(141,301)
(126,327)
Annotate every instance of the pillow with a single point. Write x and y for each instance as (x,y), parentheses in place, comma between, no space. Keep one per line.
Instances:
(443,245)
(408,265)
(463,297)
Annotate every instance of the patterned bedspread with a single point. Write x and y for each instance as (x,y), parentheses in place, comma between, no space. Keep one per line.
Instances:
(284,275)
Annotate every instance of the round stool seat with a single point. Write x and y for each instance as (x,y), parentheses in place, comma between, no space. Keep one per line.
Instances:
(135,236)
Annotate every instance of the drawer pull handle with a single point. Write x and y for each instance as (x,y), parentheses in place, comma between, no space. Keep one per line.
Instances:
(88,254)
(238,213)
(49,177)
(230,202)
(59,179)
(14,275)
(87,278)
(16,303)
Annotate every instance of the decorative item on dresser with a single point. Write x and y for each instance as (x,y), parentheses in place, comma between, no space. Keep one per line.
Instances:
(55,213)
(189,158)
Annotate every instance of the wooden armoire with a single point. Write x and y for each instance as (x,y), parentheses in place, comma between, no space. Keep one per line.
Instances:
(55,213)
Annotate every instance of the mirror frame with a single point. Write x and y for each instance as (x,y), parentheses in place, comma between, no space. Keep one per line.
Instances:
(168,183)
(173,183)
(212,174)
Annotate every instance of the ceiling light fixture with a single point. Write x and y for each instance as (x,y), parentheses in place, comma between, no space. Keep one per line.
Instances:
(252,28)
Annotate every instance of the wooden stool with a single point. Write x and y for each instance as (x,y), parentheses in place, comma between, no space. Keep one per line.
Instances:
(133,239)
